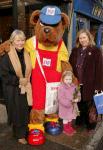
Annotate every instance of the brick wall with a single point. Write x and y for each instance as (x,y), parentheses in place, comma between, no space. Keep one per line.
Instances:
(5,27)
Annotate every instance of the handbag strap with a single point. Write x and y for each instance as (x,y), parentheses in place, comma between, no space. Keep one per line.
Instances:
(41,68)
(38,59)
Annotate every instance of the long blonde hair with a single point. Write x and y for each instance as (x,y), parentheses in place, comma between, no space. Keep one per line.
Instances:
(90,36)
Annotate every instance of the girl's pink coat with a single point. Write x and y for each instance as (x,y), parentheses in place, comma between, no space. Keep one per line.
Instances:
(65,97)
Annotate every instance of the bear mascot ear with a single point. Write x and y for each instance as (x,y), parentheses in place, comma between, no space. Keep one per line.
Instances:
(65,20)
(34,17)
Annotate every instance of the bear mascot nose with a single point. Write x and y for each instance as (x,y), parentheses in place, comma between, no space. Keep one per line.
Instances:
(46,30)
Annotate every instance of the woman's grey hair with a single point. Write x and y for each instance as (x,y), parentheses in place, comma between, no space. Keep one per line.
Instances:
(18,33)
(90,36)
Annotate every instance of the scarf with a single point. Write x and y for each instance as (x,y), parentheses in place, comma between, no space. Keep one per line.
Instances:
(24,82)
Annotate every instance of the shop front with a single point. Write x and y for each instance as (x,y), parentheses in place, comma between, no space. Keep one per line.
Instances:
(88,14)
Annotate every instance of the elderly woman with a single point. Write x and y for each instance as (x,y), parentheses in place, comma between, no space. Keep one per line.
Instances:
(15,72)
(86,60)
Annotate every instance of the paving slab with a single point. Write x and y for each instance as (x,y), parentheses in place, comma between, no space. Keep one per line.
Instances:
(3,114)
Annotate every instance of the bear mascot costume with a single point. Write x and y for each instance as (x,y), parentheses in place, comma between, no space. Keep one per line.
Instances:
(50,24)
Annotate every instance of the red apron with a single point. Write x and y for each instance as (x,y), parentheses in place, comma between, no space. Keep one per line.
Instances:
(49,63)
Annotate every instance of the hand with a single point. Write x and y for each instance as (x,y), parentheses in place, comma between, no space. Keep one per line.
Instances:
(96,91)
(23,81)
(75,100)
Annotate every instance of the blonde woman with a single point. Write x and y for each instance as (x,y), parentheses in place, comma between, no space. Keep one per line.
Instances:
(86,60)
(15,72)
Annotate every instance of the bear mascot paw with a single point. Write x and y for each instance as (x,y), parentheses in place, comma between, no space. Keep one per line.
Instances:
(4,47)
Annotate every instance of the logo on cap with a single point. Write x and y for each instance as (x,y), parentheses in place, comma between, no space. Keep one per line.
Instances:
(50,15)
(50,11)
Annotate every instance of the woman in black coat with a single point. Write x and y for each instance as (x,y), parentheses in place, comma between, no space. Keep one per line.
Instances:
(86,61)
(14,80)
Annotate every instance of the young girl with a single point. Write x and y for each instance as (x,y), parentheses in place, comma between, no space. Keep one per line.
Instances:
(68,96)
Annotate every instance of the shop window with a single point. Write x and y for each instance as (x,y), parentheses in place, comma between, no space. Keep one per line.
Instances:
(82,23)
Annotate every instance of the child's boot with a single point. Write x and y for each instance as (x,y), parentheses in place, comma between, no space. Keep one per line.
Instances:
(71,127)
(68,130)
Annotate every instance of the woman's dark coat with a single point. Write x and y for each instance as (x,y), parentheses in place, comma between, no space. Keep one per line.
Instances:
(92,70)
(16,103)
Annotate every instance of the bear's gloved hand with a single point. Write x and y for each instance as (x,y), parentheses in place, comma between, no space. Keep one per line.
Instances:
(66,66)
(4,47)
(37,116)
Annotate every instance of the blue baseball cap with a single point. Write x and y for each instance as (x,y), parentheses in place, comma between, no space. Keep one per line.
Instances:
(50,15)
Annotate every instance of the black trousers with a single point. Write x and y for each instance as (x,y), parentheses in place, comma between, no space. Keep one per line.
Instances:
(20,131)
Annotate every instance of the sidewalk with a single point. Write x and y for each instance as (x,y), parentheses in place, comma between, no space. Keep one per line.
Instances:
(60,142)
(7,142)
(77,142)
(80,141)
